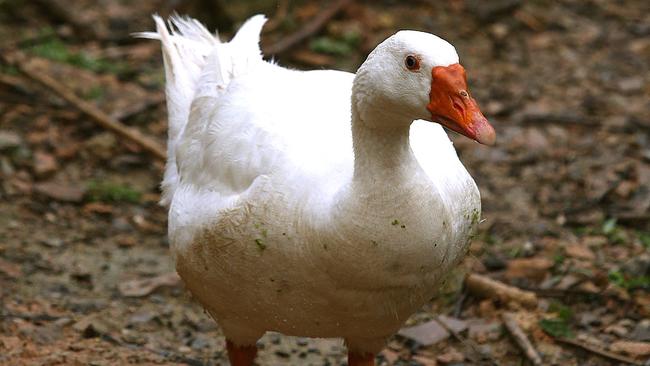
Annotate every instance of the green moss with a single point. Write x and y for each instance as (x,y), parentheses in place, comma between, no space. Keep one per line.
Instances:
(644,238)
(622,280)
(96,92)
(111,192)
(54,49)
(339,46)
(559,324)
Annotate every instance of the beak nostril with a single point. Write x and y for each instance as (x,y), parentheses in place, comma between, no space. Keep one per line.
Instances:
(458,107)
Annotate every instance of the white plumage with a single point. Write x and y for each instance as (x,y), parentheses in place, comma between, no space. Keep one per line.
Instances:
(309,203)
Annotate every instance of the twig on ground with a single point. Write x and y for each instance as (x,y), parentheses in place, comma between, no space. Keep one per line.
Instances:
(468,343)
(307,30)
(599,351)
(486,287)
(18,59)
(13,81)
(138,107)
(460,302)
(521,339)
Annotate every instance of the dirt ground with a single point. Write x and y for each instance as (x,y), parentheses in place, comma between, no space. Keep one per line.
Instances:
(85,275)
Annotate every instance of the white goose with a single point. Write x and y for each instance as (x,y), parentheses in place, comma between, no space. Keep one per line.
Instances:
(311,203)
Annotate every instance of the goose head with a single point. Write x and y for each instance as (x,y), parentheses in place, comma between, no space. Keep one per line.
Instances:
(416,75)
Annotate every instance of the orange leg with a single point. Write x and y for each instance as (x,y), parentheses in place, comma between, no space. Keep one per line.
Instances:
(365,359)
(241,355)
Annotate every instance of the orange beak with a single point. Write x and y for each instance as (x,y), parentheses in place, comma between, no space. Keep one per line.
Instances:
(451,105)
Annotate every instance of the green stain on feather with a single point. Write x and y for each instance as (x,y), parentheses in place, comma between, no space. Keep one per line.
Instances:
(260,244)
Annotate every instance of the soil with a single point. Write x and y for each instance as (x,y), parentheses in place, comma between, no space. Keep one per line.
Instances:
(85,273)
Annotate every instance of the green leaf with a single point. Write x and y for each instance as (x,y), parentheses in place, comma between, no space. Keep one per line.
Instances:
(556,328)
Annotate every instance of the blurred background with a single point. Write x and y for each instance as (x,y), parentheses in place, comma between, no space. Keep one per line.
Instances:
(85,275)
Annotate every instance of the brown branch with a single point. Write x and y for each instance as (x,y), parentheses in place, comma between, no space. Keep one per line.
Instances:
(18,59)
(599,351)
(469,344)
(486,287)
(307,29)
(521,339)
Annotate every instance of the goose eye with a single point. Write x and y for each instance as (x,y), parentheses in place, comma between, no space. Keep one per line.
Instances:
(412,63)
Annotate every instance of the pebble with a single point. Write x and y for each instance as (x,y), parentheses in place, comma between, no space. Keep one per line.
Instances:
(9,140)
(641,331)
(44,164)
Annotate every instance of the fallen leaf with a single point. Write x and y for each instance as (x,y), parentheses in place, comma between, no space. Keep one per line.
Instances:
(144,287)
(425,334)
(483,331)
(60,191)
(580,251)
(451,356)
(455,324)
(10,269)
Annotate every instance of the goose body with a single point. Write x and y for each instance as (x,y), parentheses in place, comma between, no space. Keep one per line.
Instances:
(308,202)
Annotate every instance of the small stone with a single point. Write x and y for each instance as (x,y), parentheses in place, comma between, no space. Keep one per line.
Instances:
(617,329)
(53,242)
(587,319)
(44,164)
(425,334)
(631,84)
(641,331)
(200,343)
(141,317)
(636,349)
(9,140)
(184,349)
